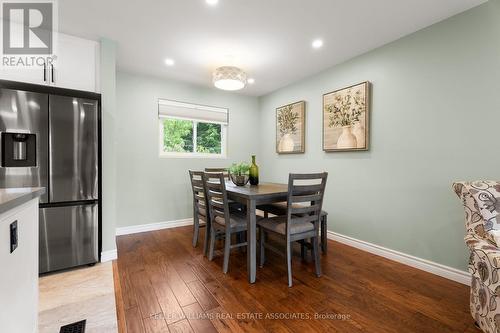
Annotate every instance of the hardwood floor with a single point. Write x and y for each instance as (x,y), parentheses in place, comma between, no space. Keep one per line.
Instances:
(163,284)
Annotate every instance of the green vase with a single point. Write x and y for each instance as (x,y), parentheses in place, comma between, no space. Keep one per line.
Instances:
(254,172)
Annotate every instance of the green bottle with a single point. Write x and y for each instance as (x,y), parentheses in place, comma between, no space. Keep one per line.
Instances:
(254,172)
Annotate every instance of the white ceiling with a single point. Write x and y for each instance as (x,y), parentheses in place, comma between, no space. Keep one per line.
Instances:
(269,39)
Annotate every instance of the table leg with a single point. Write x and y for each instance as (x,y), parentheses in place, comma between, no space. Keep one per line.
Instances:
(251,241)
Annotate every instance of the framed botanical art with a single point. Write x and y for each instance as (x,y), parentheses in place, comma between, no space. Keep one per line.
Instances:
(290,128)
(345,118)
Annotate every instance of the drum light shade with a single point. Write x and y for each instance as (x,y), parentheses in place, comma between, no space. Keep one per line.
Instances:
(229,78)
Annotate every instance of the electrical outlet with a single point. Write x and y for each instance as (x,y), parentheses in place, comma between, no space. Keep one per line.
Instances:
(13,236)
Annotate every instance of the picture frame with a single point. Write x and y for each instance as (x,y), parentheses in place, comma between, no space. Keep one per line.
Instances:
(290,128)
(346,115)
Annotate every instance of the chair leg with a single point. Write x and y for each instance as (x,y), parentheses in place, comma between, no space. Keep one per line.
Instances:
(196,230)
(302,250)
(317,264)
(207,239)
(227,249)
(239,239)
(262,239)
(212,244)
(289,262)
(244,238)
(324,239)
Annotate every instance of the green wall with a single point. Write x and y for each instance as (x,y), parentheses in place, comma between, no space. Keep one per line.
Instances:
(108,92)
(151,189)
(435,119)
(435,116)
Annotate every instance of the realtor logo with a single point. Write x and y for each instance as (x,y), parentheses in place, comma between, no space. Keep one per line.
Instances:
(27,27)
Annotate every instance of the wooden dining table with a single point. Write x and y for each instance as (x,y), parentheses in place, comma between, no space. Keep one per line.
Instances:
(251,196)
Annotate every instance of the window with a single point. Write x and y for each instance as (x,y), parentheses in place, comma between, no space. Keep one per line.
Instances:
(189,130)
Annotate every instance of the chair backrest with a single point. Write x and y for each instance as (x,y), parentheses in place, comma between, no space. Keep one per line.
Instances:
(215,187)
(199,195)
(225,171)
(306,190)
(481,200)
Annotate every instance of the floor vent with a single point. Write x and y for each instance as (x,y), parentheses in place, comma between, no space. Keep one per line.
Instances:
(78,327)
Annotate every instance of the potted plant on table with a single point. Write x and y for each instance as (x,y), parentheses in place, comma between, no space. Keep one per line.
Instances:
(239,173)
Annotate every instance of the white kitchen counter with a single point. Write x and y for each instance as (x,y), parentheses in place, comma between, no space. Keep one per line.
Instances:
(19,265)
(13,197)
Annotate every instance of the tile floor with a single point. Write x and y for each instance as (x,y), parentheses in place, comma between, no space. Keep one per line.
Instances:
(74,295)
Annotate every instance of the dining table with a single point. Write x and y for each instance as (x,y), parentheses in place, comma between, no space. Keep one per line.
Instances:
(251,196)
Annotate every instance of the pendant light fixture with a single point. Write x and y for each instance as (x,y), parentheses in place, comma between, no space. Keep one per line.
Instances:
(229,78)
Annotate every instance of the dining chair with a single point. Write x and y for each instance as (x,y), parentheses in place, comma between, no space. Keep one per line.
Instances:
(225,171)
(300,222)
(279,208)
(201,218)
(233,205)
(224,222)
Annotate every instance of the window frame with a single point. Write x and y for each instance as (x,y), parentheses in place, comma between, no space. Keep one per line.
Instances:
(194,154)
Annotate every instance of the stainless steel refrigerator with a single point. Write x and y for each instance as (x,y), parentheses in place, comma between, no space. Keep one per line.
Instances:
(52,140)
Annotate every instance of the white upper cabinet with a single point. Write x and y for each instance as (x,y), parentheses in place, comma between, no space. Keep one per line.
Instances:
(75,66)
(37,73)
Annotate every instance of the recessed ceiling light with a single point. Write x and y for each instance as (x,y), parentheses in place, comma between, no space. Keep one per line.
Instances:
(212,2)
(317,43)
(169,62)
(251,81)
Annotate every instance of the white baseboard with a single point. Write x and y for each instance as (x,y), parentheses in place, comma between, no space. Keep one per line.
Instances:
(419,263)
(153,226)
(109,255)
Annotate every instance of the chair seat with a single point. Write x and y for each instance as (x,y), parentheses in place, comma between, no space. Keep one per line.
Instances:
(278,224)
(280,208)
(237,221)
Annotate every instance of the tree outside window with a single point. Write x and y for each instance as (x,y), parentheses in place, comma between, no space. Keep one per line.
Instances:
(188,136)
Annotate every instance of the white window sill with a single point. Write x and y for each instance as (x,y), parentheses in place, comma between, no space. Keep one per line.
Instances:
(193,155)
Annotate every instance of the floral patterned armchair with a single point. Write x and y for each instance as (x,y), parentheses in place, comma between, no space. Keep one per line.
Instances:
(481,201)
